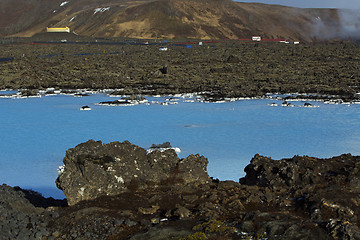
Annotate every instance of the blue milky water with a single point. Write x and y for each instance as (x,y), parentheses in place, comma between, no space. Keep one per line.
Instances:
(36,132)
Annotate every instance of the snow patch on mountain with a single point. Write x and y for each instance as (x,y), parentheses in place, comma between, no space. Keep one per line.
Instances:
(96,10)
(63,3)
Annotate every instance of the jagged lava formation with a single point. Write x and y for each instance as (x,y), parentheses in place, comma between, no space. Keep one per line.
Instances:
(118,191)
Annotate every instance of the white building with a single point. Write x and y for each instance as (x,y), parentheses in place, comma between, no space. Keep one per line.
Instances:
(256,38)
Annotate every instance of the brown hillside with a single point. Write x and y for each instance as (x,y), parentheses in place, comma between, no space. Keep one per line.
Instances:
(213,19)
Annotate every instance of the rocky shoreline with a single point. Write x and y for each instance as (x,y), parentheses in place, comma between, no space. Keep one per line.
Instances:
(131,100)
(120,191)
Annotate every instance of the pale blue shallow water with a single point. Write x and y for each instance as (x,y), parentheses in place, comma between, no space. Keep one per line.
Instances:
(36,132)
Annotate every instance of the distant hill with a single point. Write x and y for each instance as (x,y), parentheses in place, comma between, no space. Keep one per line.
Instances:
(205,19)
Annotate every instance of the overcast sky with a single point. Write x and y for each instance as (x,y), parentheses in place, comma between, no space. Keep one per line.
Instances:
(351,4)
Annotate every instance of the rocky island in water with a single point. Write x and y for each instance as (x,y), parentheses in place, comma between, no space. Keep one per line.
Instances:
(121,191)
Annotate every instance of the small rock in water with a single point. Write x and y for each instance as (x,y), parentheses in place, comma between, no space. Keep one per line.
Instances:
(85,108)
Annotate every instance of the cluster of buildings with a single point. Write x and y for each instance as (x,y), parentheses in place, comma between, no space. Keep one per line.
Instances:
(259,39)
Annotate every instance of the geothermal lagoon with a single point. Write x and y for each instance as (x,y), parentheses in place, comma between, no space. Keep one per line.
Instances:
(37,131)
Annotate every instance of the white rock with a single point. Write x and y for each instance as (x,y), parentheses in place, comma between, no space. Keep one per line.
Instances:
(119,179)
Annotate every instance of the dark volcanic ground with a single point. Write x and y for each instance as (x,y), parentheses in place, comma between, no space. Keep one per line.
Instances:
(227,69)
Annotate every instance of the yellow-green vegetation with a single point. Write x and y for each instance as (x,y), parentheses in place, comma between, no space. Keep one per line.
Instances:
(261,236)
(214,226)
(195,236)
(217,228)
(210,228)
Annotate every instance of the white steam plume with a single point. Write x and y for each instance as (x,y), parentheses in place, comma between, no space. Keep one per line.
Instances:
(345,26)
(349,24)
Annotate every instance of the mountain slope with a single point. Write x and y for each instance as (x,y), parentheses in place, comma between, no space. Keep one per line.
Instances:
(212,19)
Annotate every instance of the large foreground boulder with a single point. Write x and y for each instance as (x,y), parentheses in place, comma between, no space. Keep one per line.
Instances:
(94,169)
